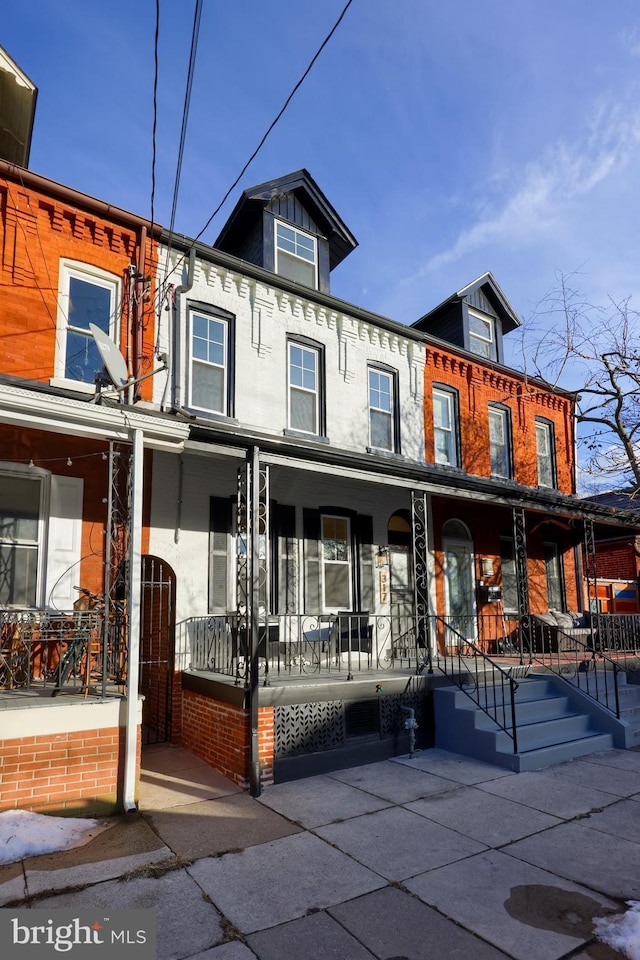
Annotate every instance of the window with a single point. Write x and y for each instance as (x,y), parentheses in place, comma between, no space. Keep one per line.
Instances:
(209,345)
(86,295)
(20,539)
(304,388)
(509,577)
(555,583)
(500,442)
(444,426)
(482,336)
(545,453)
(296,256)
(336,563)
(382,427)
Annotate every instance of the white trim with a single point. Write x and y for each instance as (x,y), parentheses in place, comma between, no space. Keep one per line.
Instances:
(76,269)
(348,563)
(191,361)
(292,342)
(289,253)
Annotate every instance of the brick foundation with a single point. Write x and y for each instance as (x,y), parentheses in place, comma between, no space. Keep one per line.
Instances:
(219,733)
(79,771)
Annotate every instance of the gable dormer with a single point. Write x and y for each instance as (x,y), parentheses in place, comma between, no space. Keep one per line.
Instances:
(475,318)
(288,226)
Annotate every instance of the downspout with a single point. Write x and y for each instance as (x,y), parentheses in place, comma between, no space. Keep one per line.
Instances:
(139,307)
(177,339)
(133,608)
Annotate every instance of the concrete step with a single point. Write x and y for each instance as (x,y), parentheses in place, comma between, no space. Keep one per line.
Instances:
(561,729)
(546,756)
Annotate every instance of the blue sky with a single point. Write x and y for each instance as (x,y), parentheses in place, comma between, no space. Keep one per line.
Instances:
(453,138)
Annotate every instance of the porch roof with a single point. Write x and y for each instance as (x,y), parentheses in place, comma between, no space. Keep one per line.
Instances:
(299,454)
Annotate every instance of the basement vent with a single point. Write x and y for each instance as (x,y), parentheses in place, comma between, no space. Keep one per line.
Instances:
(362,718)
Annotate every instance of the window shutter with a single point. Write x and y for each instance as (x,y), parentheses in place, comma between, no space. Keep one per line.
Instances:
(366,597)
(285,565)
(64,544)
(311,531)
(219,533)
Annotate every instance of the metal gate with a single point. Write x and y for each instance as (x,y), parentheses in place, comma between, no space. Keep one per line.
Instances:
(157,648)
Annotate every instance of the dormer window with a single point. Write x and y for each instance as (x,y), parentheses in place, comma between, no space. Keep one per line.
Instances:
(482,335)
(296,255)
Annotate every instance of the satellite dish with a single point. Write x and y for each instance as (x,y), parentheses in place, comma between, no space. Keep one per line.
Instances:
(111,357)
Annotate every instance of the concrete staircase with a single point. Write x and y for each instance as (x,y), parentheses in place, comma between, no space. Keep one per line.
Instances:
(554,723)
(628,699)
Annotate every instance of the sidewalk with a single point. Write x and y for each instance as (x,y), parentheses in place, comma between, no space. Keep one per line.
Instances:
(432,857)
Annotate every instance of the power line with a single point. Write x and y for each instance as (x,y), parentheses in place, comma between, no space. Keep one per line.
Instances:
(277,118)
(160,295)
(185,116)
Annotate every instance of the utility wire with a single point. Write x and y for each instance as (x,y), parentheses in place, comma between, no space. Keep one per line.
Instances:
(277,118)
(155,114)
(185,116)
(161,292)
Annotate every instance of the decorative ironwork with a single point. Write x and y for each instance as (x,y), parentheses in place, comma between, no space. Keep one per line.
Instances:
(308,728)
(117,567)
(243,583)
(252,564)
(421,576)
(522,580)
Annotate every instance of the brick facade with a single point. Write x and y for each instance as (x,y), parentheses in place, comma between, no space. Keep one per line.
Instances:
(77,771)
(219,733)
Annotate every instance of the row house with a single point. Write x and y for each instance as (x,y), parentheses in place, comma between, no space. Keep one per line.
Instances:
(71,492)
(357,497)
(239,513)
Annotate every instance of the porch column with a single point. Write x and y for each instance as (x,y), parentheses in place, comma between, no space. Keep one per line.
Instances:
(420,575)
(522,582)
(591,574)
(252,570)
(133,607)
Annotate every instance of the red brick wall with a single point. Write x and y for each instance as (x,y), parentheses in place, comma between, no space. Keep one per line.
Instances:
(617,560)
(64,772)
(219,733)
(477,386)
(39,230)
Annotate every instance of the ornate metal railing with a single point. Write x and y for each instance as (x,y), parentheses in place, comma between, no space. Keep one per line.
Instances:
(60,652)
(490,686)
(290,645)
(580,661)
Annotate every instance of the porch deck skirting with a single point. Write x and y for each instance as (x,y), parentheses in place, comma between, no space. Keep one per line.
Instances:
(303,728)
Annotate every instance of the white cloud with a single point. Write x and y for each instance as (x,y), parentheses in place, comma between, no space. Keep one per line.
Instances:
(536,205)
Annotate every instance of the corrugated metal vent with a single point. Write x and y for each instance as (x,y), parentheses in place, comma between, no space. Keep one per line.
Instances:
(361,718)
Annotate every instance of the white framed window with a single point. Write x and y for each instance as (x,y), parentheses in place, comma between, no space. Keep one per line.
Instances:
(304,388)
(545,454)
(554,578)
(21,538)
(40,537)
(500,442)
(209,362)
(509,575)
(86,294)
(336,563)
(381,409)
(445,438)
(482,335)
(296,254)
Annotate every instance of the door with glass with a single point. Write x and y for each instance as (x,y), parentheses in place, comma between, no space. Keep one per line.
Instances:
(459,590)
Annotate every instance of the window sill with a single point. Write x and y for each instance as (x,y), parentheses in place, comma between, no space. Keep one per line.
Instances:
(210,415)
(301,435)
(381,452)
(78,385)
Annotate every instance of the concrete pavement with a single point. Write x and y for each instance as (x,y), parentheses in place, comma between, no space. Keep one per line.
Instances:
(437,856)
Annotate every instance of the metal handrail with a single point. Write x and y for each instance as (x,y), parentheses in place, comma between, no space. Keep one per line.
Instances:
(494,710)
(576,662)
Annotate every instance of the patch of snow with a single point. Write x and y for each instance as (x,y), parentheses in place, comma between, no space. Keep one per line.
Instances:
(24,834)
(622,931)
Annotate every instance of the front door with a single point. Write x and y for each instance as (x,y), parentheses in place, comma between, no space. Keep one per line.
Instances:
(401,600)
(459,590)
